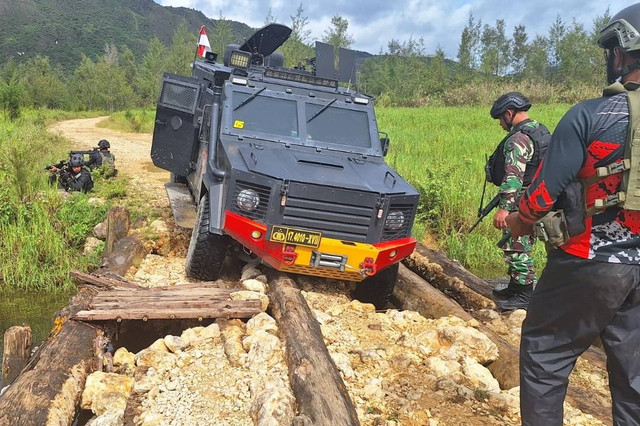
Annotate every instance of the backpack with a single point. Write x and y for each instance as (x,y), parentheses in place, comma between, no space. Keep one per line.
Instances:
(108,168)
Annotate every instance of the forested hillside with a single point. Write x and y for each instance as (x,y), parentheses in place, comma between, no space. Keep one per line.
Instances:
(64,30)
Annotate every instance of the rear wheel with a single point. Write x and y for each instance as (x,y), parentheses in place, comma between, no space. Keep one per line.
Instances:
(206,250)
(379,288)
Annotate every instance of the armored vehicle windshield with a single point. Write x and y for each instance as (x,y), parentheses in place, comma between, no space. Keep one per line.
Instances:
(328,123)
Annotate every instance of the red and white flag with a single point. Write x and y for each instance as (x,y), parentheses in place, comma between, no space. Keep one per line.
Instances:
(203,43)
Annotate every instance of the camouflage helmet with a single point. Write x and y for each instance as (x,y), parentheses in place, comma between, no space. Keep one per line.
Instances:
(104,144)
(512,100)
(622,30)
(76,160)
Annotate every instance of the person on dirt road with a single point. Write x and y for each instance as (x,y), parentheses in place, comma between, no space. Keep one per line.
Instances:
(103,160)
(590,286)
(78,178)
(511,167)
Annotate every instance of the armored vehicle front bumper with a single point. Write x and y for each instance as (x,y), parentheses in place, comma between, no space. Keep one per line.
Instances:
(307,252)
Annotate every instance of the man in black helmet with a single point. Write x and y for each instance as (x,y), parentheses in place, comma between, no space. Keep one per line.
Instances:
(511,168)
(103,159)
(591,284)
(78,177)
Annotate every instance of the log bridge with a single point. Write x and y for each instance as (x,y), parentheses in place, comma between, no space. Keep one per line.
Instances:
(48,389)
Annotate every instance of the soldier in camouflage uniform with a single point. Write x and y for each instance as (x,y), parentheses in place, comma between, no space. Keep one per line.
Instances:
(513,165)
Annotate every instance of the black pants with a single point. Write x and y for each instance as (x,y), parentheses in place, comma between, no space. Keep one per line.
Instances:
(575,301)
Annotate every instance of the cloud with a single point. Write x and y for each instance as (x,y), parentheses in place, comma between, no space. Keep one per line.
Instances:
(373,23)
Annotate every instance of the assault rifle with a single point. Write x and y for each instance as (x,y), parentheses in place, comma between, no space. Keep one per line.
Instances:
(83,152)
(483,212)
(61,165)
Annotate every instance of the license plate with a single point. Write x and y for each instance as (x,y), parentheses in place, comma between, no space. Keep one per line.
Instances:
(300,237)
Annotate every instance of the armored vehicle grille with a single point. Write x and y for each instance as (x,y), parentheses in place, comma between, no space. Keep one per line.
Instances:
(333,219)
(404,230)
(179,96)
(263,192)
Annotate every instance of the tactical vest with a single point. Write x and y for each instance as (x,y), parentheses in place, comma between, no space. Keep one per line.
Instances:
(629,195)
(108,164)
(540,136)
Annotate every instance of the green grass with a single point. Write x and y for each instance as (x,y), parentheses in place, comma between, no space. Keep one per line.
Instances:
(41,233)
(441,151)
(132,121)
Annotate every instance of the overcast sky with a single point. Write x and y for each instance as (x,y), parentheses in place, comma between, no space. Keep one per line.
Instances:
(373,23)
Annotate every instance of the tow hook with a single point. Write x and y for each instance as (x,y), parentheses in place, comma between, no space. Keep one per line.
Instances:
(368,267)
(289,255)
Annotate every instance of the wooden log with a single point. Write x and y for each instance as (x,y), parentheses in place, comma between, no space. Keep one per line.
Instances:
(16,351)
(48,389)
(215,309)
(412,292)
(452,279)
(118,222)
(126,252)
(320,393)
(103,282)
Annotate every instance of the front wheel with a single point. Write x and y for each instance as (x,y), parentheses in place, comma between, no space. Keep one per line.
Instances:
(206,250)
(378,289)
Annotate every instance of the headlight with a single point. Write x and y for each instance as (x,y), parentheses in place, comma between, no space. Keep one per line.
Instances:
(248,200)
(394,221)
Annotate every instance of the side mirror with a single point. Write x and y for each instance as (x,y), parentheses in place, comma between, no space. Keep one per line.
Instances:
(385,145)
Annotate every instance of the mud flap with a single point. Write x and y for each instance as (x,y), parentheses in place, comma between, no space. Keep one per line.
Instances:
(182,205)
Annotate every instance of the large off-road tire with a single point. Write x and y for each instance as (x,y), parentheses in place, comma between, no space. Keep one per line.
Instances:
(379,288)
(206,250)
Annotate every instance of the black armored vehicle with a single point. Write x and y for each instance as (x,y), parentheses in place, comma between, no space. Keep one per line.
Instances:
(285,165)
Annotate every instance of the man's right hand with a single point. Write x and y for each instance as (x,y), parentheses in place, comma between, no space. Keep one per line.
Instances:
(517,226)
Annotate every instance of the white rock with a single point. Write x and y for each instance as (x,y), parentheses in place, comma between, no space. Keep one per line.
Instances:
(124,362)
(254,285)
(159,226)
(212,331)
(192,336)
(343,362)
(479,375)
(90,245)
(250,273)
(444,368)
(262,348)
(100,230)
(160,360)
(321,317)
(262,321)
(516,317)
(174,343)
(273,407)
(108,419)
(104,390)
(467,341)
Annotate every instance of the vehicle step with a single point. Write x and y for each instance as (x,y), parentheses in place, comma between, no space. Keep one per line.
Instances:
(182,205)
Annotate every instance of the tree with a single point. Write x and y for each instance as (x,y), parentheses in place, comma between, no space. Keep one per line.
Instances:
(489,51)
(44,84)
(181,52)
(537,65)
(574,55)
(299,23)
(11,96)
(469,44)
(149,76)
(337,35)
(556,33)
(519,49)
(221,36)
(295,49)
(112,90)
(84,85)
(128,64)
(270,19)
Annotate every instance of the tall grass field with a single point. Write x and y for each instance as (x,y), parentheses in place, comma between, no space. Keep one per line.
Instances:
(441,151)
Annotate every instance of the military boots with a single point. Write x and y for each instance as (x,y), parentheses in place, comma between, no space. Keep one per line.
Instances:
(514,296)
